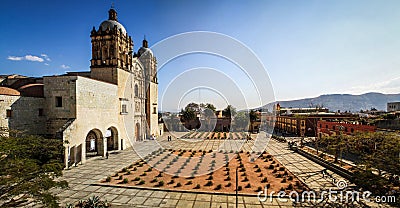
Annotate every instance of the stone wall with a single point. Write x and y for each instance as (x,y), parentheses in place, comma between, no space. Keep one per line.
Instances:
(25,115)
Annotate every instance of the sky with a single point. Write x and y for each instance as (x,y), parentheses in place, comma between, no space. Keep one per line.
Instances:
(308,48)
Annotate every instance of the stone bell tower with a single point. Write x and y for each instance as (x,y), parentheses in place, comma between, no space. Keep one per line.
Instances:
(112,49)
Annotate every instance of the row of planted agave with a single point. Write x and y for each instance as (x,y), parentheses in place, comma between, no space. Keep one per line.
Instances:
(216,135)
(207,170)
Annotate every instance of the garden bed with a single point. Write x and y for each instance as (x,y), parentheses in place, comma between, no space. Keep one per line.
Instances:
(208,171)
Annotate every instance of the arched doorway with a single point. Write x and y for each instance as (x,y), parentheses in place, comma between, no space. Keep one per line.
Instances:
(112,138)
(137,131)
(94,143)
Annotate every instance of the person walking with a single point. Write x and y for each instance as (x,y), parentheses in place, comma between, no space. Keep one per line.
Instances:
(107,154)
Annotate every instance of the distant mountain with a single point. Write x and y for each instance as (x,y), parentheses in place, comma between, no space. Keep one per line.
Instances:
(345,102)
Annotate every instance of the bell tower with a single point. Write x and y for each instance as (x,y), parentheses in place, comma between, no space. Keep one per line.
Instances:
(112,49)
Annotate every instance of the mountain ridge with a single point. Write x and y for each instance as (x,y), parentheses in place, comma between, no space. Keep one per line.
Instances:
(345,102)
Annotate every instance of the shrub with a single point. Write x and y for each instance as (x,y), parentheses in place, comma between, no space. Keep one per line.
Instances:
(136,179)
(189,183)
(274,171)
(283,180)
(264,180)
(154,180)
(209,183)
(125,180)
(134,169)
(130,166)
(228,185)
(228,178)
(120,177)
(281,168)
(258,170)
(143,174)
(271,167)
(290,178)
(171,182)
(128,172)
(239,188)
(197,186)
(218,187)
(248,185)
(243,174)
(160,183)
(256,166)
(290,187)
(259,189)
(210,177)
(141,182)
(149,169)
(245,179)
(108,179)
(279,175)
(261,175)
(268,185)
(116,175)
(124,169)
(159,175)
(178,185)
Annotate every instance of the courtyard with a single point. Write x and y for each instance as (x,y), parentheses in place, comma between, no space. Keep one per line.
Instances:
(90,179)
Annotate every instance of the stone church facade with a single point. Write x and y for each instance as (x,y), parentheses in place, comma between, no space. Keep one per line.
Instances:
(105,109)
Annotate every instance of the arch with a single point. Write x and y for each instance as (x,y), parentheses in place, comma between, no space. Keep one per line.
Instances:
(137,132)
(94,143)
(112,138)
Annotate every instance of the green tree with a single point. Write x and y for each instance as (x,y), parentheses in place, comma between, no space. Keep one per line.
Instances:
(29,166)
(211,107)
(242,120)
(229,111)
(253,115)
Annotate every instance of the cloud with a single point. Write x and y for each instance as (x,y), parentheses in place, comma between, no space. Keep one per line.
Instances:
(46,64)
(65,66)
(27,58)
(387,86)
(45,56)
(33,58)
(15,58)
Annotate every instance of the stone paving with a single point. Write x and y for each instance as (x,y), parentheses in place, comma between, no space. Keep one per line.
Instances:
(83,179)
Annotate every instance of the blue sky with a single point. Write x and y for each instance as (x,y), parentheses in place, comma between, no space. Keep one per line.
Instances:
(308,47)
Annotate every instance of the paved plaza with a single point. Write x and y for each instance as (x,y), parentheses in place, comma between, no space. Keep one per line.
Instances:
(84,179)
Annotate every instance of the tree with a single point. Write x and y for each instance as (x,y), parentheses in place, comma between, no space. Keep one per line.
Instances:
(229,111)
(211,107)
(253,115)
(188,114)
(242,120)
(29,166)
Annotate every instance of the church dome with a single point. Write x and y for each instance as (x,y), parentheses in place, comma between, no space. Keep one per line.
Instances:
(111,24)
(8,91)
(145,50)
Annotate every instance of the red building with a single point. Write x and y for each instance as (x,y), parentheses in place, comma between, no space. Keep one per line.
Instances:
(335,128)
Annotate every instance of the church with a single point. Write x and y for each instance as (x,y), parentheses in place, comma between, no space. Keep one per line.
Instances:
(105,109)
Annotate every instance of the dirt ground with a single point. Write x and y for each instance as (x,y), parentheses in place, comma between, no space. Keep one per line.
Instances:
(211,171)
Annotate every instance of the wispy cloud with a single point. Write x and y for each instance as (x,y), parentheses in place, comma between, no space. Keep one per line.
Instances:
(15,58)
(27,58)
(65,66)
(45,56)
(33,58)
(388,86)
(46,64)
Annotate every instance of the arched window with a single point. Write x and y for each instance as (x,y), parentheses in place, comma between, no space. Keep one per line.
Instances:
(136,91)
